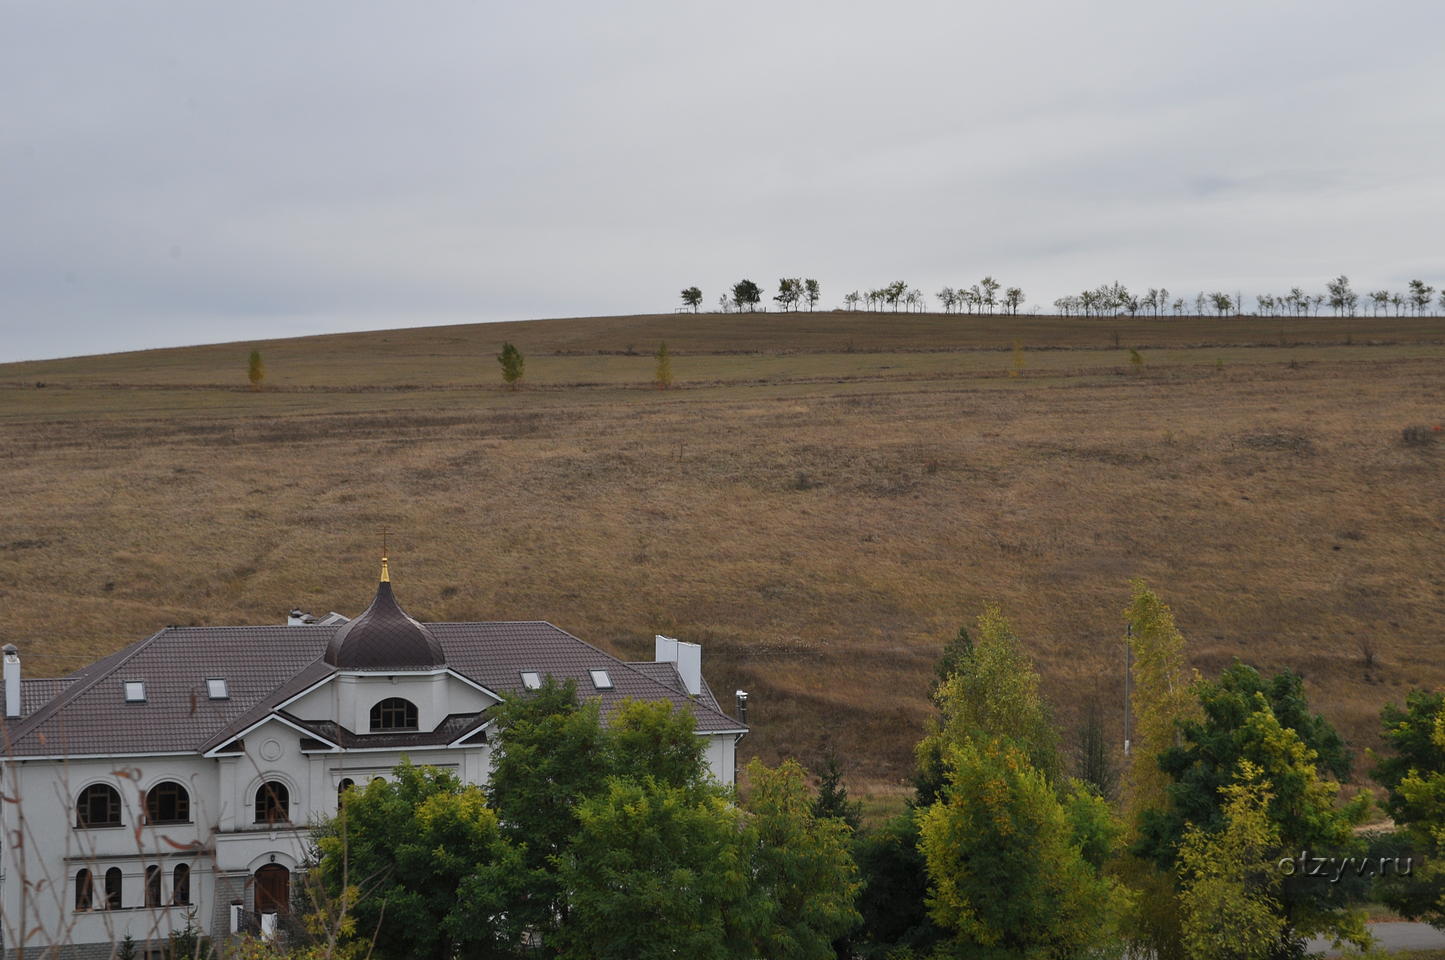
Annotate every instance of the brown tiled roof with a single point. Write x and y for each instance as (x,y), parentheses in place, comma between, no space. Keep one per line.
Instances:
(265,666)
(664,671)
(34,694)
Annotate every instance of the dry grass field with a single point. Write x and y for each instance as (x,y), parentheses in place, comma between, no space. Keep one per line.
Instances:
(820,501)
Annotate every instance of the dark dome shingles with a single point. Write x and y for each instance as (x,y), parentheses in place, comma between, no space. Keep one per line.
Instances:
(384,638)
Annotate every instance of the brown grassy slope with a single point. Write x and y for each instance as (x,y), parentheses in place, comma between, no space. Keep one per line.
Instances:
(453,354)
(820,523)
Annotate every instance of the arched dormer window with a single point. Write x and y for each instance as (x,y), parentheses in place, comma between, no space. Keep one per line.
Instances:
(168,802)
(98,806)
(393,713)
(273,802)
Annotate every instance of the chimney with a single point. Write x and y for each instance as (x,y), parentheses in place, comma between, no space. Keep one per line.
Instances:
(687,657)
(12,681)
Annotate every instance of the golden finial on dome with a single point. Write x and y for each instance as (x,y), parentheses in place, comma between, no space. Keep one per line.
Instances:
(385,574)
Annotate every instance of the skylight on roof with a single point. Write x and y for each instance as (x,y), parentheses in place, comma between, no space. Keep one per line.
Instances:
(601,680)
(216,688)
(531,680)
(135,691)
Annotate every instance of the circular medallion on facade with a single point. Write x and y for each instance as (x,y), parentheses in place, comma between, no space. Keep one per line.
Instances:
(271,750)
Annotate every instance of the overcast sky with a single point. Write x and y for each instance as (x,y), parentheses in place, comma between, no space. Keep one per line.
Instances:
(186,172)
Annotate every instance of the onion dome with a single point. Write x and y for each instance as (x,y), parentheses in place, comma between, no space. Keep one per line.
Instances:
(384,637)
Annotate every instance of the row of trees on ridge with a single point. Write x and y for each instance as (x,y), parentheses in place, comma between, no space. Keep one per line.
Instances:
(1106,300)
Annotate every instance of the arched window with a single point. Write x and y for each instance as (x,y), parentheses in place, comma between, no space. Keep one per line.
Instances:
(112,889)
(273,802)
(98,806)
(346,784)
(393,713)
(181,884)
(84,890)
(153,886)
(168,802)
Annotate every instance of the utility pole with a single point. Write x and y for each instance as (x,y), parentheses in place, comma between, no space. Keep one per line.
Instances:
(1128,683)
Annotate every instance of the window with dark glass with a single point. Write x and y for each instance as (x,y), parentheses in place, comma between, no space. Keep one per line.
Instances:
(153,886)
(273,803)
(98,806)
(393,713)
(181,884)
(346,784)
(168,802)
(84,890)
(112,889)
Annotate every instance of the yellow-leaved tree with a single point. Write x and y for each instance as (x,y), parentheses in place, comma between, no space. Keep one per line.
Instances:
(1161,698)
(1230,878)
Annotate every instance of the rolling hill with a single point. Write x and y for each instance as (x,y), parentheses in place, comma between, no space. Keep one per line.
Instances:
(820,501)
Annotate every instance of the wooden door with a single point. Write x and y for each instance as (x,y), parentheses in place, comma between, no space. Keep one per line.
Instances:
(273,889)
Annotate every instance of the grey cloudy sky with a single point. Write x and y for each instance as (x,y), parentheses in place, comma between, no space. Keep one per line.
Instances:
(188,172)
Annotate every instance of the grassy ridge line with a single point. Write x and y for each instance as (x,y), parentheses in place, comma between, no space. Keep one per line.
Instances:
(828,332)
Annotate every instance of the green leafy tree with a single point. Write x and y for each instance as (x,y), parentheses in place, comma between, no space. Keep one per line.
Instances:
(1013,298)
(1267,724)
(1093,825)
(989,288)
(513,364)
(746,294)
(1421,294)
(893,900)
(692,297)
(833,799)
(653,739)
(894,293)
(551,755)
(663,374)
(1413,775)
(790,291)
(430,861)
(1007,876)
(812,293)
(1343,299)
(256,370)
(656,871)
(955,655)
(993,693)
(1229,878)
(802,867)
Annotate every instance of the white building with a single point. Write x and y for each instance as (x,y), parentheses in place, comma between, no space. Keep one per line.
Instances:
(174,779)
